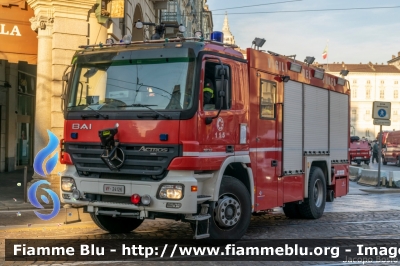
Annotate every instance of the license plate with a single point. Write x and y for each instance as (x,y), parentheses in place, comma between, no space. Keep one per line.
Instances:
(358,158)
(114,189)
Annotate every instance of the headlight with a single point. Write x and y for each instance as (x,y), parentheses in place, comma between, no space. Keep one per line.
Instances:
(171,192)
(67,184)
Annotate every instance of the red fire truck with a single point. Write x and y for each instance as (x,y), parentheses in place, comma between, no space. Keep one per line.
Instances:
(360,150)
(141,143)
(391,147)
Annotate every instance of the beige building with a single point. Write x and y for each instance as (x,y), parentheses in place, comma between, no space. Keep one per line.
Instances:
(31,73)
(368,83)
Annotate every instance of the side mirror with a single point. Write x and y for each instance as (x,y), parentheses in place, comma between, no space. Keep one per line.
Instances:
(221,71)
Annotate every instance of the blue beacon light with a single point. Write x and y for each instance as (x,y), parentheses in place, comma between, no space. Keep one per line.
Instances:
(217,36)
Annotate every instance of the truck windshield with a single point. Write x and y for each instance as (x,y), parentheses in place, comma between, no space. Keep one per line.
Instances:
(163,83)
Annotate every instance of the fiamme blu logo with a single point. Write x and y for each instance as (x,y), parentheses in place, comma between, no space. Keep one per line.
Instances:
(43,165)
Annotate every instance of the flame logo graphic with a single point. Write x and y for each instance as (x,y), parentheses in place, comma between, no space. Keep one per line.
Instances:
(32,198)
(44,153)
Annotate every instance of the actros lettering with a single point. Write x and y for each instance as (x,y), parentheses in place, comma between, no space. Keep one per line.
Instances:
(150,149)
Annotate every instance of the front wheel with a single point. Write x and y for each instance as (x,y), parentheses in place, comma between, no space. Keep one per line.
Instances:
(116,224)
(230,215)
(313,207)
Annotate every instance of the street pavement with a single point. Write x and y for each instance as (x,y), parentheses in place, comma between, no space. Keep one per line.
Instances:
(364,213)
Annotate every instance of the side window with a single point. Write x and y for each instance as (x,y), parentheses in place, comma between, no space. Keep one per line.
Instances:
(213,84)
(267,99)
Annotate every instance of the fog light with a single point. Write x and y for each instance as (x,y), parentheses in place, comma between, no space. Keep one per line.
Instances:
(135,199)
(171,192)
(76,194)
(67,184)
(145,200)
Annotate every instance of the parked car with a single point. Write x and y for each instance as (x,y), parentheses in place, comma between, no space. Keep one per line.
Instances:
(391,148)
(360,151)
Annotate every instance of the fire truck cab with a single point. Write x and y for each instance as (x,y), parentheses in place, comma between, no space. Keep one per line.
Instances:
(140,142)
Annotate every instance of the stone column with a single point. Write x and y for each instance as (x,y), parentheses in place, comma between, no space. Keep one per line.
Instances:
(62,26)
(44,26)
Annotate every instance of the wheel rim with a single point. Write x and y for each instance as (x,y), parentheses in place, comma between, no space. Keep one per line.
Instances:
(228,211)
(318,193)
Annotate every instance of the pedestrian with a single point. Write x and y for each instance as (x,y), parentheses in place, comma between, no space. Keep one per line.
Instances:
(375,150)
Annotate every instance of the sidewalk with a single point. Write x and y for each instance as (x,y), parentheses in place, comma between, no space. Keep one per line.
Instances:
(12,190)
(356,189)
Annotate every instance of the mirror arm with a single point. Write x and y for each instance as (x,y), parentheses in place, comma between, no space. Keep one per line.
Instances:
(64,87)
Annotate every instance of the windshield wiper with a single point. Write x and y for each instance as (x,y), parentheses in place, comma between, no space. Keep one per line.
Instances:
(148,107)
(97,112)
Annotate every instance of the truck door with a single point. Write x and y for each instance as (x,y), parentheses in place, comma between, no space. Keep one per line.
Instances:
(269,150)
(217,139)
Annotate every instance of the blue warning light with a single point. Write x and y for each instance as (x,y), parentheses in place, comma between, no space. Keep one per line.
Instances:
(217,36)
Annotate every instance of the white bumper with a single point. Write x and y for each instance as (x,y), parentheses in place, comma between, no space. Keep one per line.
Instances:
(96,186)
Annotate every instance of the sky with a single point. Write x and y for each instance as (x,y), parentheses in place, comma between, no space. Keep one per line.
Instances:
(353,36)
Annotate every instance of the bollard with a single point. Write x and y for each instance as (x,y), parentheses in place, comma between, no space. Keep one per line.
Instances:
(25,184)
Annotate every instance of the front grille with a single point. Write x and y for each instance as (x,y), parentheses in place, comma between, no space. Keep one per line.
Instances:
(138,163)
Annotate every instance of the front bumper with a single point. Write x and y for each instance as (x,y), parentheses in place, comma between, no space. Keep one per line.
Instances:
(95,186)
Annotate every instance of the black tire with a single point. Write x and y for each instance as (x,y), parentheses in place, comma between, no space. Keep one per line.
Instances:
(234,198)
(116,224)
(291,210)
(358,162)
(366,162)
(398,162)
(313,207)
(384,161)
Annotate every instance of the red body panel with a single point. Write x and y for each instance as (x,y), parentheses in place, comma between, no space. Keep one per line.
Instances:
(129,131)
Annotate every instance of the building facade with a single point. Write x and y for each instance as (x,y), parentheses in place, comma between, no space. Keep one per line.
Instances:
(368,83)
(42,37)
(18,59)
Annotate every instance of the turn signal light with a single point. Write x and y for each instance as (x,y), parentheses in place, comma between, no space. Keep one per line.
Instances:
(65,158)
(193,188)
(135,199)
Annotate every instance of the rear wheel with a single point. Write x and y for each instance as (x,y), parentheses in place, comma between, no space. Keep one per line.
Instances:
(384,162)
(230,215)
(366,162)
(291,210)
(116,224)
(313,207)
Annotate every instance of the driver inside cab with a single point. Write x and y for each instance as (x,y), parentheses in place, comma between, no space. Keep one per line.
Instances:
(208,95)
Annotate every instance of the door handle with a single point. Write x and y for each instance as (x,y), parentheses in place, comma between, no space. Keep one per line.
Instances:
(274,163)
(229,149)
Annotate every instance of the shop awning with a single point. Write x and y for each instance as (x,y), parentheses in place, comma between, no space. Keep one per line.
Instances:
(18,42)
